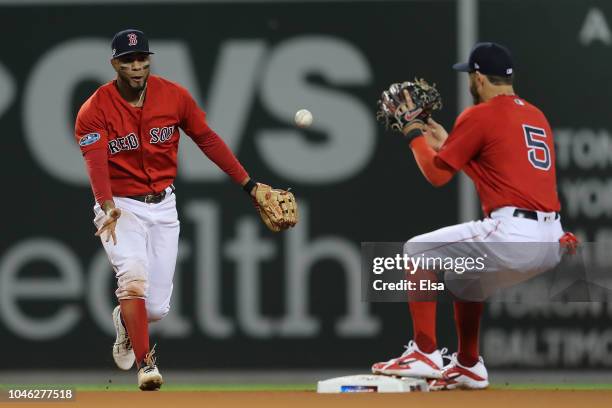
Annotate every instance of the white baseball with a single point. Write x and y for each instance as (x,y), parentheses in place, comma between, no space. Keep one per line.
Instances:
(303,118)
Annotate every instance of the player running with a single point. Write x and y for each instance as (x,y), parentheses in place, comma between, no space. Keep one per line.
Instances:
(128,132)
(505,145)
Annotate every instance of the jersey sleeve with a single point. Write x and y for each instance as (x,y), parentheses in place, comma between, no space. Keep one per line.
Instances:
(465,140)
(90,133)
(193,119)
(193,122)
(434,170)
(90,129)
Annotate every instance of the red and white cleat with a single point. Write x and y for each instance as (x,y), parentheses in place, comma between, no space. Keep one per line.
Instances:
(413,363)
(457,376)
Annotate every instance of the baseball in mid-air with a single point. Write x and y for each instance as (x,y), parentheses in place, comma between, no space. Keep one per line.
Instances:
(303,118)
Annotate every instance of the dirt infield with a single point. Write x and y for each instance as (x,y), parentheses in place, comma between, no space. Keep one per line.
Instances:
(284,399)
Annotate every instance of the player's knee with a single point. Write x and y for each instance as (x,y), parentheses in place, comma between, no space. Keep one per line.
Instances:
(134,289)
(133,281)
(156,312)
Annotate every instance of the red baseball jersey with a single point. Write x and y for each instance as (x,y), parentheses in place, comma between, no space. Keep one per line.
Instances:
(506,147)
(142,143)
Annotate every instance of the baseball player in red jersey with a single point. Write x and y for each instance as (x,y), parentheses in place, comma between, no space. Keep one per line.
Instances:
(128,131)
(505,145)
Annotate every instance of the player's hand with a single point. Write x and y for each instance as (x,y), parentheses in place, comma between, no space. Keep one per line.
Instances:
(112,215)
(435,134)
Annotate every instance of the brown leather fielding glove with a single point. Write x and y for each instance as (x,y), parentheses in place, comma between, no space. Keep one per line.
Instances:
(277,208)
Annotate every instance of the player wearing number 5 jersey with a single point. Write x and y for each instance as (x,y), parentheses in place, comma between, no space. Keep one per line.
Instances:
(505,145)
(128,132)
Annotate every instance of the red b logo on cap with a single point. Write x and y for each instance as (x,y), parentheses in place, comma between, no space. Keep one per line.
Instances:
(133,39)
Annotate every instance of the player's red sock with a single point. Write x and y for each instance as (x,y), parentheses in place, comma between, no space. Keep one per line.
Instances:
(424,325)
(422,305)
(467,321)
(134,316)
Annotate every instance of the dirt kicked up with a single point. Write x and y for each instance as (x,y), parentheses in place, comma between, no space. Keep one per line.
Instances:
(291,399)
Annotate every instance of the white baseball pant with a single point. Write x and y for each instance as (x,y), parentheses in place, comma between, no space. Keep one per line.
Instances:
(516,249)
(144,258)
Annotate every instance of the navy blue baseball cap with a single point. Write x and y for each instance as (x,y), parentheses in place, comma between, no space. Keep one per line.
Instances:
(128,42)
(488,58)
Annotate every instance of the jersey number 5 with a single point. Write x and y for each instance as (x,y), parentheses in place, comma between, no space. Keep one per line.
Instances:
(538,152)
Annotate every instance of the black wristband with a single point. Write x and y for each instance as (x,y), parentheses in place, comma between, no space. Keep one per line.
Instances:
(249,186)
(413,134)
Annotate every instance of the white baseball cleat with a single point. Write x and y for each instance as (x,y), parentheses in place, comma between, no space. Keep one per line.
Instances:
(123,353)
(457,376)
(413,363)
(149,378)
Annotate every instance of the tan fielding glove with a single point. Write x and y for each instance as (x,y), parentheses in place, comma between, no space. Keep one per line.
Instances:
(277,208)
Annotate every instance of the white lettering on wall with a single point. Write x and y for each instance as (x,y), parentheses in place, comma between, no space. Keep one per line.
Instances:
(595,28)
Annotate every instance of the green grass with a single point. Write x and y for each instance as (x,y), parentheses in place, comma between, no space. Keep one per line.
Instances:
(204,387)
(173,387)
(289,387)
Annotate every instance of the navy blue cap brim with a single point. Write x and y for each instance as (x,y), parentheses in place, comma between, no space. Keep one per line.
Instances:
(462,67)
(133,52)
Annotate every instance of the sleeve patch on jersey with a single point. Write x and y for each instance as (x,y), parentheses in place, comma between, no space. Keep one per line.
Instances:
(89,139)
